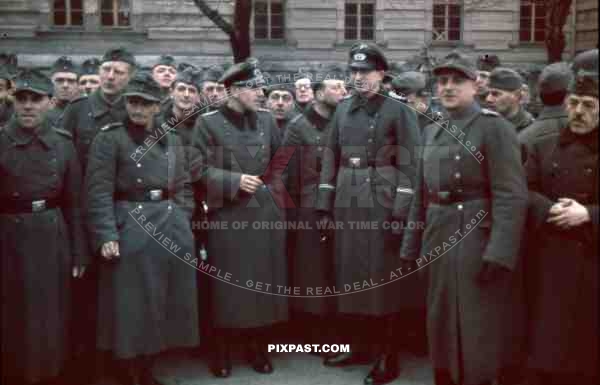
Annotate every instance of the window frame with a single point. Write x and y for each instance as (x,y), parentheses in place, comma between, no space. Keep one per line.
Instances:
(269,15)
(532,31)
(446,29)
(359,15)
(114,14)
(68,11)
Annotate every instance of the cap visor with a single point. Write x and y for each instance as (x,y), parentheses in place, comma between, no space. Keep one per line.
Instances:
(142,95)
(361,66)
(34,90)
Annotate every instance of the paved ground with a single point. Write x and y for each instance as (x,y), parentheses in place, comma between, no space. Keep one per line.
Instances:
(290,369)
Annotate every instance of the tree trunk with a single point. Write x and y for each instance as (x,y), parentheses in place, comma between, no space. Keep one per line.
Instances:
(557,12)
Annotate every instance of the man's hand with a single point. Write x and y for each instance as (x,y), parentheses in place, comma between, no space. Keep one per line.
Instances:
(250,183)
(567,213)
(489,272)
(324,227)
(110,250)
(78,271)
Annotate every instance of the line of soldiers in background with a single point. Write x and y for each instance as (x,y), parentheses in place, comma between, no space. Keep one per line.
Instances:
(132,103)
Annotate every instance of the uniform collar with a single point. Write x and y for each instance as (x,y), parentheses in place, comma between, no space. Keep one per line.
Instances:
(317,120)
(100,106)
(465,113)
(552,112)
(23,137)
(568,137)
(139,133)
(371,105)
(237,118)
(521,118)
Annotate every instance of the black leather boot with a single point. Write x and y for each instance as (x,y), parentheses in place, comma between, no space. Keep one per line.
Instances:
(385,370)
(220,361)
(258,358)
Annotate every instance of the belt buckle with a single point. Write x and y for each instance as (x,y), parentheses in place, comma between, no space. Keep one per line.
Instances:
(156,195)
(355,162)
(37,206)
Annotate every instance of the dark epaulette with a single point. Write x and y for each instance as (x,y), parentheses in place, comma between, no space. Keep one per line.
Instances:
(62,132)
(110,126)
(487,112)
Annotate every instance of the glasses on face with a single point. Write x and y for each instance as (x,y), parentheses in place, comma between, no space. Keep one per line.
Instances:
(275,97)
(24,97)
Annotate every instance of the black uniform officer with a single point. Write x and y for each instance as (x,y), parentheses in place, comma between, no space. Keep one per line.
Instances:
(41,236)
(371,143)
(471,195)
(140,226)
(552,88)
(89,79)
(562,272)
(64,77)
(504,96)
(237,143)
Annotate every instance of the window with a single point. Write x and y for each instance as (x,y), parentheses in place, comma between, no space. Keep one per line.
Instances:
(359,20)
(446,20)
(269,20)
(533,21)
(67,12)
(115,13)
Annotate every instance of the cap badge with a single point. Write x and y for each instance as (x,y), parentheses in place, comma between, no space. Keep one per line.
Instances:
(360,57)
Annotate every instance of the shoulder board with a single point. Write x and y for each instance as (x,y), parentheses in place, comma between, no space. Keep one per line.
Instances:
(487,112)
(62,132)
(110,126)
(78,99)
(210,113)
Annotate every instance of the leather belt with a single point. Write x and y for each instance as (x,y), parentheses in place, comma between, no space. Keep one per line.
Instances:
(150,195)
(12,206)
(450,197)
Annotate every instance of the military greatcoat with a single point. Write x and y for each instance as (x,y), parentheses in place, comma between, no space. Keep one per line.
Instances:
(472,196)
(37,249)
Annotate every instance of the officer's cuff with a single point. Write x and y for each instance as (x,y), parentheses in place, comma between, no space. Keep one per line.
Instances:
(402,201)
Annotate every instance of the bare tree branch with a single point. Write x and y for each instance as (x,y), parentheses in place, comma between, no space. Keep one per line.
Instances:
(214,16)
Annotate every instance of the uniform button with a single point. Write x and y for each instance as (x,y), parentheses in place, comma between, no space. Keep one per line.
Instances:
(139,180)
(262,134)
(372,127)
(457,157)
(588,170)
(367,180)
(167,153)
(460,206)
(17,220)
(89,114)
(318,137)
(170,207)
(140,207)
(370,140)
(457,175)
(554,164)
(263,146)
(139,165)
(53,160)
(459,190)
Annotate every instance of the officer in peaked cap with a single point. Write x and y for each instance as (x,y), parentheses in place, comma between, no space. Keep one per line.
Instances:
(84,118)
(485,64)
(379,123)
(149,175)
(213,92)
(6,98)
(412,85)
(504,97)
(89,79)
(230,188)
(553,85)
(64,77)
(164,72)
(563,171)
(40,202)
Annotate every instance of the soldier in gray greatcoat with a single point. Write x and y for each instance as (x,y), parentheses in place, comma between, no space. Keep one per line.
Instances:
(504,96)
(472,196)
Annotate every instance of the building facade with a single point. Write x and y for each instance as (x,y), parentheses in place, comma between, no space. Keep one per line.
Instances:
(288,33)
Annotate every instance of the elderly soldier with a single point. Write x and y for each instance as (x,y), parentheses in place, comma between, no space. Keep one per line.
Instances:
(485,64)
(164,72)
(304,93)
(504,97)
(552,86)
(89,80)
(473,206)
(280,101)
(211,89)
(42,242)
(312,262)
(147,295)
(237,143)
(6,103)
(563,182)
(370,144)
(412,86)
(64,78)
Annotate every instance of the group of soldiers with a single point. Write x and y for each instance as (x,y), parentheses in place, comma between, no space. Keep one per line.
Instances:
(489,215)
